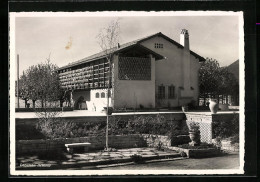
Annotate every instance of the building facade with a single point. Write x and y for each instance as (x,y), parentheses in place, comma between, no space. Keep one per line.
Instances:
(154,71)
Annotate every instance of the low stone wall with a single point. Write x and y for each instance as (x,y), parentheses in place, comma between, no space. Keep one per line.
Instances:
(97,143)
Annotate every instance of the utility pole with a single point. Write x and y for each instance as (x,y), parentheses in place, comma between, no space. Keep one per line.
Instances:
(17,91)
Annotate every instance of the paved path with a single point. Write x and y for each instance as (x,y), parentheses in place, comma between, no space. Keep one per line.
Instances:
(229,161)
(78,113)
(92,159)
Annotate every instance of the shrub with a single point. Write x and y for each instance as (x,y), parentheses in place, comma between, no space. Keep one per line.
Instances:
(137,158)
(226,128)
(60,128)
(156,125)
(27,132)
(56,128)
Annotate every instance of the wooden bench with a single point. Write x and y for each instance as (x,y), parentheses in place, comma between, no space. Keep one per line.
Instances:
(70,146)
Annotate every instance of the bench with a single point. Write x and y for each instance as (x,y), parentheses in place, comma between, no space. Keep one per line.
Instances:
(70,146)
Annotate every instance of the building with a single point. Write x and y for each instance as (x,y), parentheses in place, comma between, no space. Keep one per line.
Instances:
(154,71)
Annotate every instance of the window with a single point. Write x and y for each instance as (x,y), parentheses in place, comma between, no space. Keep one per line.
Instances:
(97,95)
(171,92)
(102,95)
(158,45)
(161,92)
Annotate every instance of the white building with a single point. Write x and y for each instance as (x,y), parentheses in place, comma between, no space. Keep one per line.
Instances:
(154,71)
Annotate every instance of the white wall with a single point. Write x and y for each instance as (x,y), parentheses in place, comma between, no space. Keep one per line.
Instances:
(98,104)
(172,71)
(132,93)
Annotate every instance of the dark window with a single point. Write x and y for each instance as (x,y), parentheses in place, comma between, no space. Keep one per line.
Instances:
(102,95)
(161,92)
(171,92)
(97,95)
(157,45)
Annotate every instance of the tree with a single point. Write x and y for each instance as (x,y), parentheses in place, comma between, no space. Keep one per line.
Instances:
(108,39)
(41,82)
(209,78)
(215,80)
(23,91)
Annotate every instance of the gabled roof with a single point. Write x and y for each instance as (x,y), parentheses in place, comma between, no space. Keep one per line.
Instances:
(173,42)
(131,44)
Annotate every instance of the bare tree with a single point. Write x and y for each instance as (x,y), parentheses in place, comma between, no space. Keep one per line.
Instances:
(108,39)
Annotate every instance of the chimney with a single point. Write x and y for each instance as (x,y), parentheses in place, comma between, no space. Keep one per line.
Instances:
(184,39)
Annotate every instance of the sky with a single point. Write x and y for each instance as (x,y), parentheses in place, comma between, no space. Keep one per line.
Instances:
(68,39)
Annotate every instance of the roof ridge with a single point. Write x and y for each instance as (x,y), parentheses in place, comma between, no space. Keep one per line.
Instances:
(137,41)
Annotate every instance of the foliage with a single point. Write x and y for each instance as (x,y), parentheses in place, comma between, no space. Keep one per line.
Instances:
(194,127)
(228,83)
(40,82)
(216,80)
(55,128)
(183,154)
(23,91)
(156,125)
(59,128)
(27,132)
(137,158)
(209,76)
(226,128)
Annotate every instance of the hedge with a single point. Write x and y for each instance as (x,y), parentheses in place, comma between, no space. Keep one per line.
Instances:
(59,128)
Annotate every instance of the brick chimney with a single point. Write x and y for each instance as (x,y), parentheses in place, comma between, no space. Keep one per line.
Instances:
(184,39)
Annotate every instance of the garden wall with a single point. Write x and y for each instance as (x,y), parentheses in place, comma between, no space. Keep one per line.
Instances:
(97,143)
(210,123)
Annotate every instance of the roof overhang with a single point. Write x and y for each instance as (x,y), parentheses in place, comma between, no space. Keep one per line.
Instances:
(116,51)
(145,50)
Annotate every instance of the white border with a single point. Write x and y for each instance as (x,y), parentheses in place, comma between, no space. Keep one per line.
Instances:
(12,57)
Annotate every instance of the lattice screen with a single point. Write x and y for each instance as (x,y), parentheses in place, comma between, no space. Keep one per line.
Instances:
(133,68)
(205,130)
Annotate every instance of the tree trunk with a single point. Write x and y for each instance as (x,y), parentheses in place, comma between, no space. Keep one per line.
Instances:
(61,103)
(34,104)
(204,103)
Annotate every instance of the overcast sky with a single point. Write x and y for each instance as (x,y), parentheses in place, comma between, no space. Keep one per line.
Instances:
(36,37)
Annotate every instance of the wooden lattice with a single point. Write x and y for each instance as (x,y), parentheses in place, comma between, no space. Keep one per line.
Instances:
(92,75)
(133,68)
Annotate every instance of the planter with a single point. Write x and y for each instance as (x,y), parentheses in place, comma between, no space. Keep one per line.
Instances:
(185,108)
(195,138)
(197,153)
(109,111)
(213,106)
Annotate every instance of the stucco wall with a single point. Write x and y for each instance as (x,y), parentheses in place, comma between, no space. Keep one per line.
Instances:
(171,71)
(92,103)
(133,93)
(98,103)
